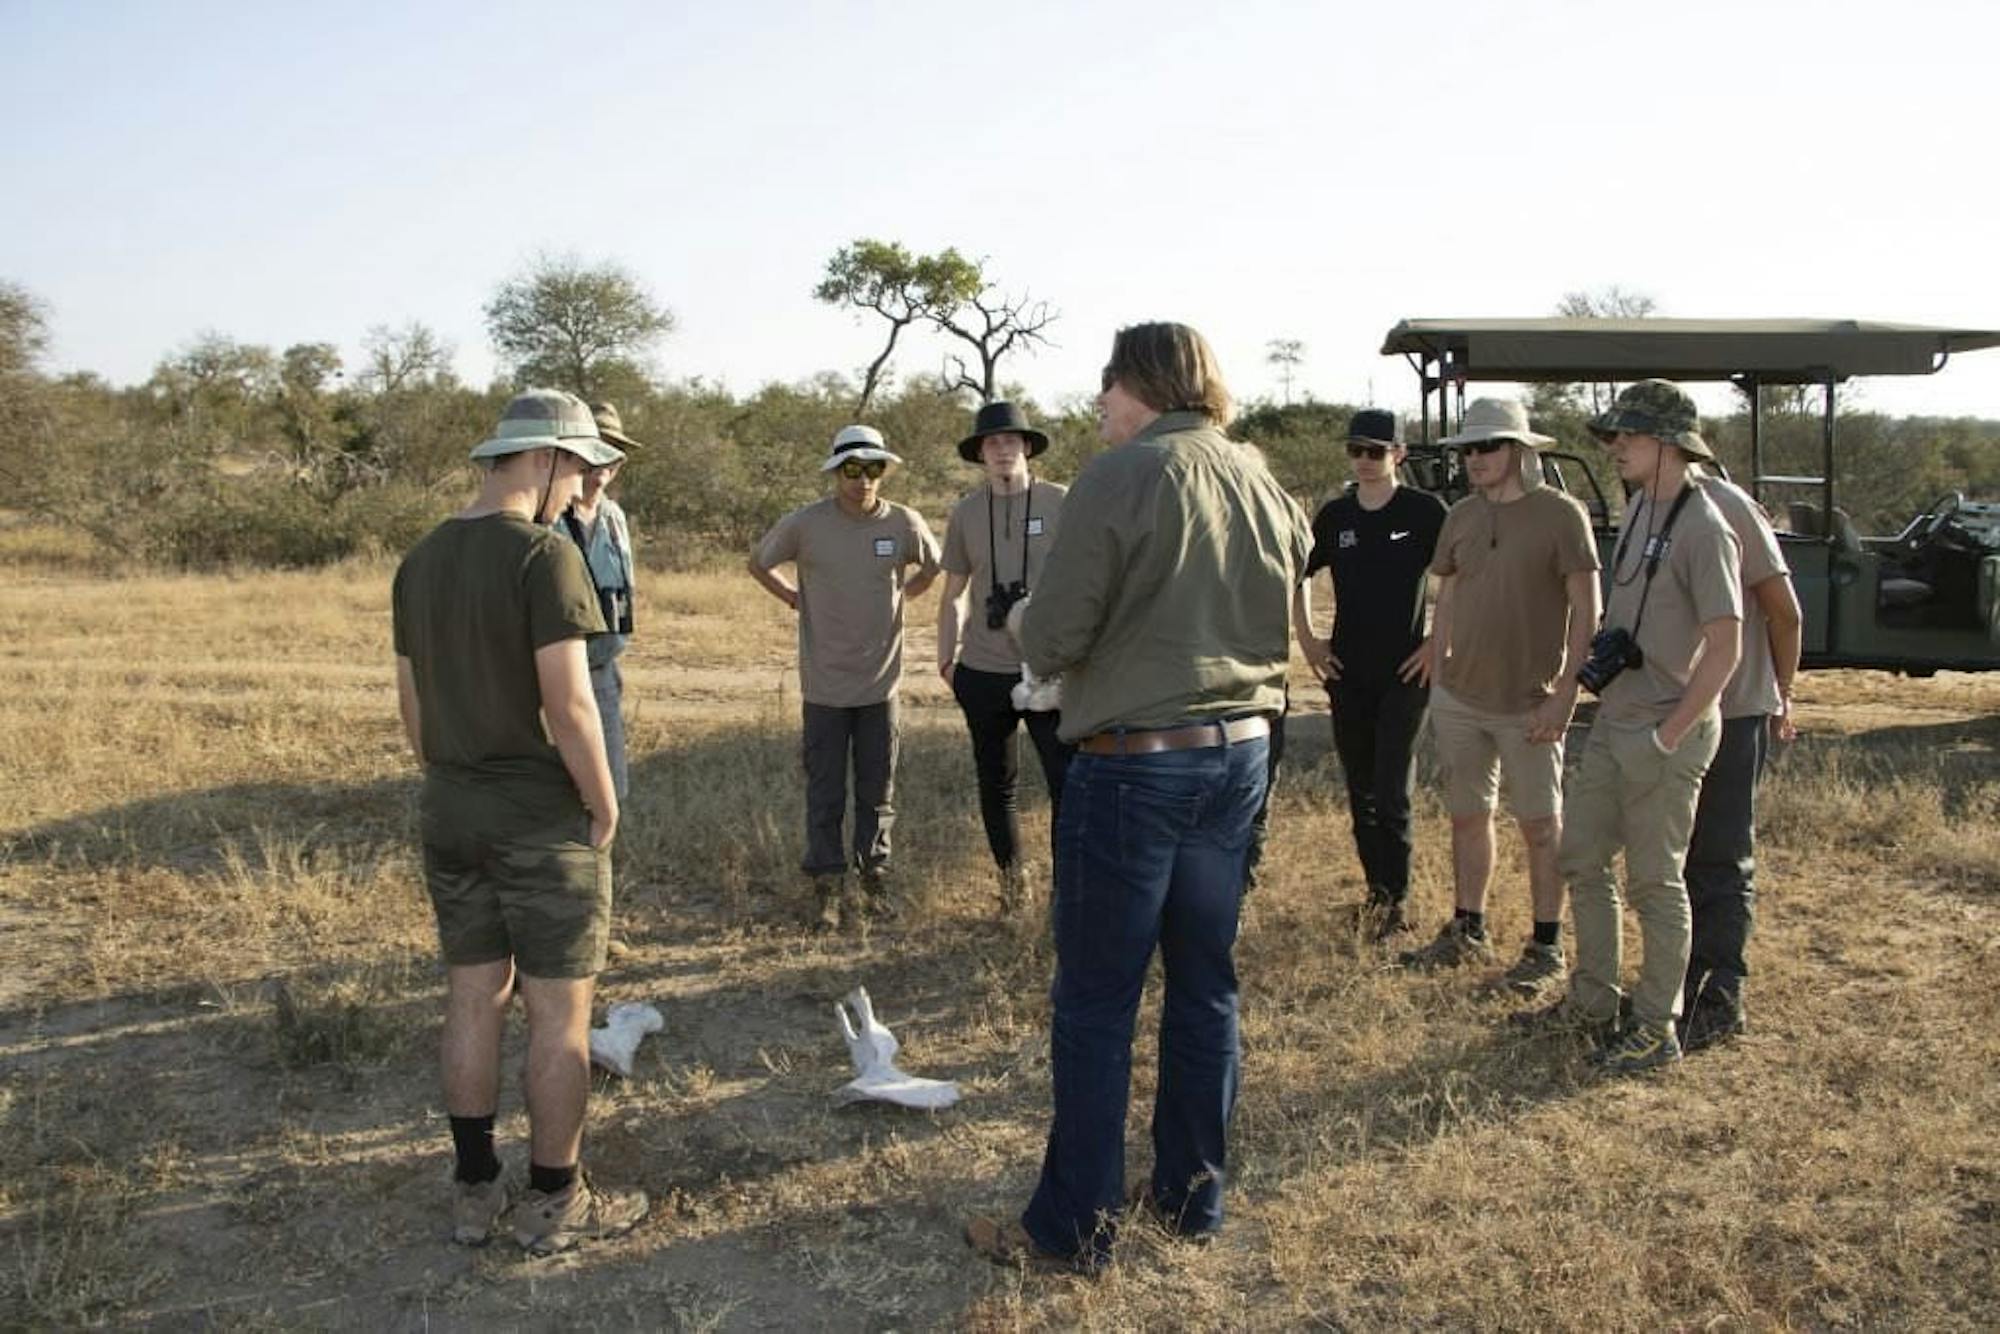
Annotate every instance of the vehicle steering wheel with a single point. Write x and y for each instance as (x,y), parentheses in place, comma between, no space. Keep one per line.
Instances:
(1925,526)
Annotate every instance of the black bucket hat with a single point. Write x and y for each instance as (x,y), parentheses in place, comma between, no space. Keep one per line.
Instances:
(1001,418)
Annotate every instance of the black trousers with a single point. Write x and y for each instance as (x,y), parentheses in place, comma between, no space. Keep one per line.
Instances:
(1375,726)
(870,735)
(1274,759)
(1721,858)
(986,698)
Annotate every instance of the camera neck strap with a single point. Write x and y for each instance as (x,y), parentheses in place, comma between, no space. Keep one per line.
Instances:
(1655,550)
(993,550)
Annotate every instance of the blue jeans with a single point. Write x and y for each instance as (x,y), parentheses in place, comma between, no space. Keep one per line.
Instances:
(1150,850)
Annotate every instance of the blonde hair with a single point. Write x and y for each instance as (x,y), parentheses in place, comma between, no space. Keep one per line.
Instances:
(1170,368)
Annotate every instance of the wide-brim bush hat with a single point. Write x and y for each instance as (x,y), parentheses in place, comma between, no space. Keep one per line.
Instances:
(1375,426)
(1001,418)
(548,419)
(1657,408)
(861,443)
(611,427)
(1497,419)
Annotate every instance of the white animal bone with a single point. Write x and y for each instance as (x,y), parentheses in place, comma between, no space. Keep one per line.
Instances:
(873,1049)
(1035,694)
(613,1045)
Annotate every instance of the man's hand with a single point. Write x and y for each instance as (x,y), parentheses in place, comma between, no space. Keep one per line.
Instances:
(1416,669)
(1784,723)
(1548,722)
(603,828)
(945,670)
(1320,659)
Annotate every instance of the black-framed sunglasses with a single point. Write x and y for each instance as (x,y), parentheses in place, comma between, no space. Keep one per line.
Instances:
(856,469)
(1360,451)
(1487,446)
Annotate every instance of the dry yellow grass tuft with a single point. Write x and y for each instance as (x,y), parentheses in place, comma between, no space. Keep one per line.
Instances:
(217,1001)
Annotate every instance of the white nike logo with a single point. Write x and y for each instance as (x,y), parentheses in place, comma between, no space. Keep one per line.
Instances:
(1395,536)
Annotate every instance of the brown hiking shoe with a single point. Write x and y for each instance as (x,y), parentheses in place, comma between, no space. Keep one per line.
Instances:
(476,1207)
(828,892)
(1540,968)
(1006,1242)
(1454,947)
(547,1224)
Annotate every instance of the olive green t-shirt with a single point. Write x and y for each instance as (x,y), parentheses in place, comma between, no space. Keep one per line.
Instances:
(1167,596)
(851,577)
(1021,528)
(472,603)
(1510,564)
(1698,581)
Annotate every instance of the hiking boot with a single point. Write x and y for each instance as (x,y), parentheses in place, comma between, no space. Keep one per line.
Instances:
(876,899)
(476,1207)
(547,1224)
(1716,1016)
(1539,968)
(828,891)
(1641,1047)
(1454,947)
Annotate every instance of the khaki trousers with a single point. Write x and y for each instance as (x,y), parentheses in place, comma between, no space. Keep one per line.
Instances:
(1628,794)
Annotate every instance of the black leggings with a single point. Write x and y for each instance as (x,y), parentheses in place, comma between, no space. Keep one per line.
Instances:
(1375,726)
(987,701)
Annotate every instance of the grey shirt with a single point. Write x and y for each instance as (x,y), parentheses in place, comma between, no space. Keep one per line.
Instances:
(1013,546)
(1698,581)
(1753,690)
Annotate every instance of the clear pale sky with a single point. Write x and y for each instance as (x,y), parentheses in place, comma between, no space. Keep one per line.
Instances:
(285,173)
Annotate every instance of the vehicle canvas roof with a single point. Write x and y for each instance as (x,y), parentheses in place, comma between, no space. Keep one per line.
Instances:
(1770,351)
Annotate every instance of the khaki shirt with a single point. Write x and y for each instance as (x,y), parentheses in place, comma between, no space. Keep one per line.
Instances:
(1022,520)
(472,602)
(1753,690)
(1167,595)
(1510,564)
(1699,580)
(851,577)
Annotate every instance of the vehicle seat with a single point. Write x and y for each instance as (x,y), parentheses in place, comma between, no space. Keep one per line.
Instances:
(1802,517)
(1844,533)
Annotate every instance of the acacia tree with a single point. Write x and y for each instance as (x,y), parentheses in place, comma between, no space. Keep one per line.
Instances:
(1287,354)
(575,326)
(994,326)
(24,329)
(902,288)
(406,358)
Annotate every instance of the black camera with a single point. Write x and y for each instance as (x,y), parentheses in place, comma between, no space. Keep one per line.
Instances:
(1612,650)
(1001,601)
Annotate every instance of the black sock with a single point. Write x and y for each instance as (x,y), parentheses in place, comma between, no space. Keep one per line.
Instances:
(1475,922)
(472,1142)
(550,1180)
(1547,933)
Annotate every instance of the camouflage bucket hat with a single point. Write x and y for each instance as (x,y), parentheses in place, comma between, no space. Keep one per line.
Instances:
(1656,408)
(611,426)
(548,419)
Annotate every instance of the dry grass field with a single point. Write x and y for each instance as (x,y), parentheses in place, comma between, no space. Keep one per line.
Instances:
(218,1002)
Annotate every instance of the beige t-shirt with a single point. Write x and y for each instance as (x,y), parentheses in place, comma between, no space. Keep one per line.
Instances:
(1753,690)
(1699,580)
(1023,519)
(851,576)
(1510,564)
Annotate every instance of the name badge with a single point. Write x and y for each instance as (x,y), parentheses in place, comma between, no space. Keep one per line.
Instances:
(1034,525)
(885,546)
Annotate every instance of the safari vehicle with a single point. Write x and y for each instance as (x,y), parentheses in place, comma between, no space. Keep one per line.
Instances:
(1923,600)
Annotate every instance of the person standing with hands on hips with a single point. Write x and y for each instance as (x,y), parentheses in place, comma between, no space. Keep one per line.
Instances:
(1376,542)
(995,545)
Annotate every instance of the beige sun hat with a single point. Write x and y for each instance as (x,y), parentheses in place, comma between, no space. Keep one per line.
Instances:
(863,443)
(1497,419)
(548,419)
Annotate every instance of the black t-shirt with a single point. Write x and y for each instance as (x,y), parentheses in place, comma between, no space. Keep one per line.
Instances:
(1378,558)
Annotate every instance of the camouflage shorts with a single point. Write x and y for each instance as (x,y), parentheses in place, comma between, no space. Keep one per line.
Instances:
(540,895)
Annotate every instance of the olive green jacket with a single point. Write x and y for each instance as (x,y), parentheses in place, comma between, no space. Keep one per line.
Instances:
(1167,593)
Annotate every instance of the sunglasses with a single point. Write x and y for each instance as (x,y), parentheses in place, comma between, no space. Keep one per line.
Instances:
(1487,446)
(854,469)
(1355,451)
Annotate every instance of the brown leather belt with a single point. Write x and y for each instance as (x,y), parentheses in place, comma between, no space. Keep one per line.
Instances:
(1194,736)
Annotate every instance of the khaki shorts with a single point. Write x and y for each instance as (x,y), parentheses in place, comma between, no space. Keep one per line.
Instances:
(509,883)
(1479,751)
